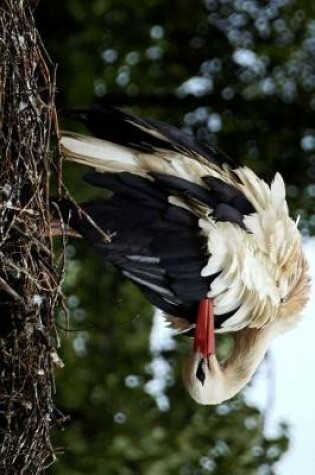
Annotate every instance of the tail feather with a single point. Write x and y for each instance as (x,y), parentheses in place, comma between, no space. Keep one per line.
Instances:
(109,157)
(96,153)
(127,143)
(120,128)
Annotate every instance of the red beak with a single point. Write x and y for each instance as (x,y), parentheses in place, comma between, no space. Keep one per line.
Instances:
(204,334)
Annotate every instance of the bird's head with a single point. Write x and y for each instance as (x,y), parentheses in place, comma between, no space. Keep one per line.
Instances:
(209,382)
(204,379)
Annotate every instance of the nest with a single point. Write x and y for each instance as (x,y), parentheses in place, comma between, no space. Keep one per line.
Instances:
(30,279)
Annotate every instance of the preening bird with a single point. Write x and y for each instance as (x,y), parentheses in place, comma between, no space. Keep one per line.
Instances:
(204,238)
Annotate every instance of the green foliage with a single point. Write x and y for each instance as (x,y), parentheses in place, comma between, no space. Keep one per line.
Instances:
(253,94)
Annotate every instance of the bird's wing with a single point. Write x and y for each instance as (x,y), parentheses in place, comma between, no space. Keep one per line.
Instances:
(156,243)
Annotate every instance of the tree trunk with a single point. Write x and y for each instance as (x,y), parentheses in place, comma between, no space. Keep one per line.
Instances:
(29,280)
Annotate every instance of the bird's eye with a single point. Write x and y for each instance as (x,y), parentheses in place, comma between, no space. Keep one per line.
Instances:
(200,373)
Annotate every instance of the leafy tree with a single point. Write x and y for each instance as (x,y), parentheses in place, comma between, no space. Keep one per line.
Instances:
(237,73)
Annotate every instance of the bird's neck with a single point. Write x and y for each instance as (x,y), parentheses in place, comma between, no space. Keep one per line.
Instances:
(250,347)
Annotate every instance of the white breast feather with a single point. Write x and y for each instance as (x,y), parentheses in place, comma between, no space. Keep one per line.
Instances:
(256,266)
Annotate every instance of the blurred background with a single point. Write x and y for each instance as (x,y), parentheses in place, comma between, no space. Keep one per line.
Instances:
(240,74)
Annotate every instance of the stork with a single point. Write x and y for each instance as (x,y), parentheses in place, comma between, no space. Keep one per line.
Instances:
(202,236)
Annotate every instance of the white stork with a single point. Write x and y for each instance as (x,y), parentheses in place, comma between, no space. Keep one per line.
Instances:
(204,238)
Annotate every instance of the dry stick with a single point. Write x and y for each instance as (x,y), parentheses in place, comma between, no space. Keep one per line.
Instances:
(81,212)
(8,289)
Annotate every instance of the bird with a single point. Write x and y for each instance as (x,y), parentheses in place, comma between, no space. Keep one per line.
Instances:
(204,238)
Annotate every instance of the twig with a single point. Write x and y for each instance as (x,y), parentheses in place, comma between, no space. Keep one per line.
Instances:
(8,289)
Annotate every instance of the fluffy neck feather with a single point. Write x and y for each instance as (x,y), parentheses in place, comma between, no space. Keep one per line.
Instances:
(249,350)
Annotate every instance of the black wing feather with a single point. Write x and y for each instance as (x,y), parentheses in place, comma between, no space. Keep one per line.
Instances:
(157,245)
(184,188)
(154,243)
